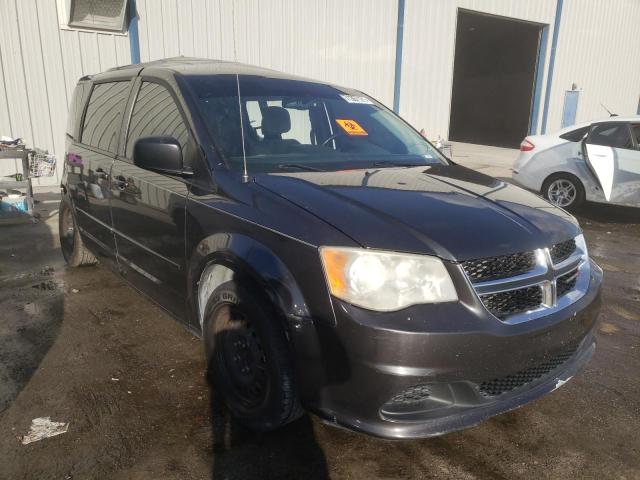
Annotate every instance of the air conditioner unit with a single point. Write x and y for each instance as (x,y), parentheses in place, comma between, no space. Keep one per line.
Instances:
(110,15)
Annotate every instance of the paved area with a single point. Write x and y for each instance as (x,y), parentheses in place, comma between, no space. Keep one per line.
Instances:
(82,347)
(494,161)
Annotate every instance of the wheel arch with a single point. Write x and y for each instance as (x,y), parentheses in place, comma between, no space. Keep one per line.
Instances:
(222,257)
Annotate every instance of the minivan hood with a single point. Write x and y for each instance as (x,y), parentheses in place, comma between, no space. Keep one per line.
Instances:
(444,210)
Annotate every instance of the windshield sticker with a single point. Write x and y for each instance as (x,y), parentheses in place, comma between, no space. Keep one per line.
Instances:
(351,127)
(357,99)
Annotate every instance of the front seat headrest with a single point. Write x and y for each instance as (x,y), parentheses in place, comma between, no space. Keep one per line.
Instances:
(275,122)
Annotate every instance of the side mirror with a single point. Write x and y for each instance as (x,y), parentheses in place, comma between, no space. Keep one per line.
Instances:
(159,154)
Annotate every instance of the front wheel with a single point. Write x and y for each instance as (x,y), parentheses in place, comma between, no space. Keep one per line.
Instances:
(564,190)
(73,249)
(248,358)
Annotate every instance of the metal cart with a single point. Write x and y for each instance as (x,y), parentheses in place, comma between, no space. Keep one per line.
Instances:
(35,163)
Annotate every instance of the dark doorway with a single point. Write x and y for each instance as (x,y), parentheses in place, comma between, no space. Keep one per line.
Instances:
(493,79)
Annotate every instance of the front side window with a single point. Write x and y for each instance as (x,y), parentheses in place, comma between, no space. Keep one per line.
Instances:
(103,118)
(304,124)
(155,114)
(615,135)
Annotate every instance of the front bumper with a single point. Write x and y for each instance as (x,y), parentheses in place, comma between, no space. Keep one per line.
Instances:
(452,351)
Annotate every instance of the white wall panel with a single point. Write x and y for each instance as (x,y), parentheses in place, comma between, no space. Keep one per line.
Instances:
(40,64)
(348,43)
(599,51)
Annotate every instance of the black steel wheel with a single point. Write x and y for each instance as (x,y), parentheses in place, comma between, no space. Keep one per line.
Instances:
(248,357)
(73,249)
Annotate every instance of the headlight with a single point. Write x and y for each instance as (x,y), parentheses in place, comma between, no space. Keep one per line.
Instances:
(385,281)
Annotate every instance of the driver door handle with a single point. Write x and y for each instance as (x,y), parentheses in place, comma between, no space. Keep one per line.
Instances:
(100,173)
(120,182)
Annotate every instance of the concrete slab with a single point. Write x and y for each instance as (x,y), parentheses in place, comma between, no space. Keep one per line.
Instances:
(493,161)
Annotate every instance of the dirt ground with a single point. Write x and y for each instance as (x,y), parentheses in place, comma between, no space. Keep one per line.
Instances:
(82,347)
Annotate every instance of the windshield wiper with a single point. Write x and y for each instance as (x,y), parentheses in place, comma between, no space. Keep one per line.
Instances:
(386,163)
(299,166)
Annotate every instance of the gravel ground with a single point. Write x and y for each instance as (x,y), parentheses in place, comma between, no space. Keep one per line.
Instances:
(82,347)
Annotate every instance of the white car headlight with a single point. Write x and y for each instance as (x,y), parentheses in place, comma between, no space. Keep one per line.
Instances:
(385,281)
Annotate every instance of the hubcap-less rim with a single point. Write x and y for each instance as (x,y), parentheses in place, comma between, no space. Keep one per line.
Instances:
(562,192)
(243,358)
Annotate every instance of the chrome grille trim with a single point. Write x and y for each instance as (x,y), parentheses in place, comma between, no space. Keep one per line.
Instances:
(545,275)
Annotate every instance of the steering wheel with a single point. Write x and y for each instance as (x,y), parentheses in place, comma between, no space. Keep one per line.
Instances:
(333,137)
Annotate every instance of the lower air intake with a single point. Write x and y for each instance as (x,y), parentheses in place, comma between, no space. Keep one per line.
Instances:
(501,385)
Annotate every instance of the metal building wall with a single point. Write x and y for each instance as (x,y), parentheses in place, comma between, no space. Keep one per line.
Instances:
(428,54)
(348,43)
(597,47)
(599,51)
(39,66)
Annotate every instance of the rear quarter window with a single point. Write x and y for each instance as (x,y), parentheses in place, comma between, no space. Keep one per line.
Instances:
(78,100)
(575,135)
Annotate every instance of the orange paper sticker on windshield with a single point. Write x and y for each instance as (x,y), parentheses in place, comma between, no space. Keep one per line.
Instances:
(351,127)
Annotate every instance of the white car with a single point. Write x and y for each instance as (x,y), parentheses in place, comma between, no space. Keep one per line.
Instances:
(597,162)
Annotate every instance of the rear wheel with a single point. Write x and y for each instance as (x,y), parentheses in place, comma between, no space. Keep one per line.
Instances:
(248,358)
(73,249)
(564,190)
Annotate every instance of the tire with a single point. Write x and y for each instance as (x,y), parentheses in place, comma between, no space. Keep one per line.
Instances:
(564,190)
(73,249)
(248,358)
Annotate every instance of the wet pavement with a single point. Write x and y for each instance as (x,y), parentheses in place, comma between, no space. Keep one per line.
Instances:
(80,346)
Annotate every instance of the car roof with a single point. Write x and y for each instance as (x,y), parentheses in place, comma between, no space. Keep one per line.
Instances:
(201,66)
(628,118)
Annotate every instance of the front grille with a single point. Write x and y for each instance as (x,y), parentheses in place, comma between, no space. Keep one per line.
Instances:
(566,283)
(411,395)
(501,385)
(563,250)
(494,268)
(511,302)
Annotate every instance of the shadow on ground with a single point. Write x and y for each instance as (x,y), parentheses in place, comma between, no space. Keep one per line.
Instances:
(32,299)
(291,452)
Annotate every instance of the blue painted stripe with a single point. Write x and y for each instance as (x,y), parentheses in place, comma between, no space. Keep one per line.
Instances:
(134,38)
(552,61)
(398,71)
(537,92)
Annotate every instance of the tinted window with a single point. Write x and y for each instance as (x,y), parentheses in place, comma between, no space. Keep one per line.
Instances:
(75,108)
(635,131)
(297,124)
(614,135)
(104,115)
(576,135)
(156,114)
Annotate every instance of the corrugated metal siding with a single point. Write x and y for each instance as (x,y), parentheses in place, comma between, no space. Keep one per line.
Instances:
(39,66)
(348,43)
(429,48)
(599,50)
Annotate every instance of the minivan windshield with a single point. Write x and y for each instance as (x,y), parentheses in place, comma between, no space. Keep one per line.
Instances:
(292,124)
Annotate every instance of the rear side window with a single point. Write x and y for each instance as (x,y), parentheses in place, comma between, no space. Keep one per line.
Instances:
(614,135)
(635,131)
(103,118)
(75,108)
(575,135)
(156,114)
